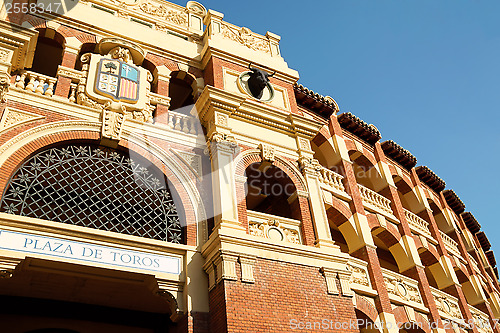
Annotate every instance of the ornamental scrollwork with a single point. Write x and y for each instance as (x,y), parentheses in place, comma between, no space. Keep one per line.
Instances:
(245,37)
(173,16)
(398,287)
(274,230)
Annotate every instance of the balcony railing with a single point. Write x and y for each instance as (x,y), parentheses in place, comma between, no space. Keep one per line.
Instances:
(417,224)
(331,178)
(36,83)
(447,305)
(181,122)
(450,244)
(374,199)
(401,288)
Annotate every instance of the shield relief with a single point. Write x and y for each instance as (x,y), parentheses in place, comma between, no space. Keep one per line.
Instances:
(114,80)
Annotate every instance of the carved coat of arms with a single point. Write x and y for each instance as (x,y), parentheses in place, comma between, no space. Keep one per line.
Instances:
(118,80)
(114,83)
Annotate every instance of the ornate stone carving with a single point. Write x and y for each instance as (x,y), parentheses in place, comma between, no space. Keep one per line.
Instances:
(445,305)
(101,80)
(245,37)
(112,122)
(196,8)
(358,276)
(4,55)
(272,229)
(400,288)
(309,165)
(304,144)
(11,118)
(482,323)
(267,152)
(192,160)
(221,119)
(163,12)
(4,86)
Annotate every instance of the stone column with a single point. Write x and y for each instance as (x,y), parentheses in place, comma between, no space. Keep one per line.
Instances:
(322,228)
(223,148)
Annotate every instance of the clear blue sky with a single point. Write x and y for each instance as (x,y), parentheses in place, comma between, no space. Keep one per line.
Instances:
(426,73)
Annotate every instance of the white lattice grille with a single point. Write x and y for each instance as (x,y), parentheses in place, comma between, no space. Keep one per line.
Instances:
(94,187)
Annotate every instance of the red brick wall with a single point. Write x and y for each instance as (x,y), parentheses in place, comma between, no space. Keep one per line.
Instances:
(282,292)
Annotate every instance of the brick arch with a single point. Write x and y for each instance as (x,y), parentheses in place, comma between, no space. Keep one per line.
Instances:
(43,31)
(324,150)
(250,156)
(391,238)
(158,61)
(187,77)
(341,217)
(351,149)
(366,308)
(301,204)
(420,323)
(12,163)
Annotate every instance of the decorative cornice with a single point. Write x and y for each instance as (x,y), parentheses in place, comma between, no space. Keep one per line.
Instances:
(399,154)
(491,258)
(471,222)
(483,240)
(430,178)
(358,127)
(325,106)
(213,99)
(454,201)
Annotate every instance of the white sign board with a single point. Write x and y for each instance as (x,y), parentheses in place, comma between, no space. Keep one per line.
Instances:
(60,248)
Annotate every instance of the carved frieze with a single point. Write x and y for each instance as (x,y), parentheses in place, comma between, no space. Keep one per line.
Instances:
(358,275)
(445,305)
(245,37)
(274,230)
(400,288)
(192,160)
(164,12)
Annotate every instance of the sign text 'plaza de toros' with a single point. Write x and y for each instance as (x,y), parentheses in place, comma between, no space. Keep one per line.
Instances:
(162,170)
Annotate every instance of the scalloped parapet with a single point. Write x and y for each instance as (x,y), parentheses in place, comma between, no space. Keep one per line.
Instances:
(323,105)
(430,178)
(454,201)
(471,222)
(358,127)
(399,154)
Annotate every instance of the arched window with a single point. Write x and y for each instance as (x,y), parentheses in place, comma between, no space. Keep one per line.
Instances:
(269,190)
(48,56)
(96,187)
(180,90)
